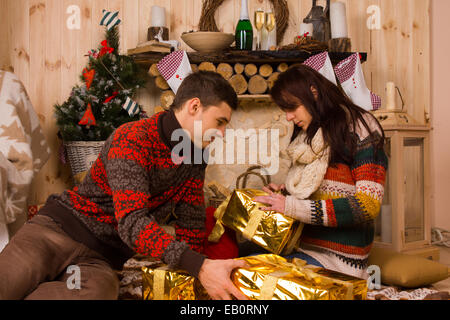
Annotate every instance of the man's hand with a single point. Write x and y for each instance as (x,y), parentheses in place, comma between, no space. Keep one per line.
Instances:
(215,277)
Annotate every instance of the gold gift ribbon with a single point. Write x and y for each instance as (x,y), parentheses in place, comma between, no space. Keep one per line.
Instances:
(218,230)
(252,224)
(159,279)
(300,268)
(270,284)
(299,263)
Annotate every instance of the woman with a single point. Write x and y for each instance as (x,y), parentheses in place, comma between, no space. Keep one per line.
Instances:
(336,180)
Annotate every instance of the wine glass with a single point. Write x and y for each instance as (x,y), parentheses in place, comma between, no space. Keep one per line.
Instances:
(259,24)
(270,21)
(269,25)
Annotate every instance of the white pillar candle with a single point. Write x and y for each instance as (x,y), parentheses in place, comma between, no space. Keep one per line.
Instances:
(158,16)
(306,28)
(338,20)
(390,96)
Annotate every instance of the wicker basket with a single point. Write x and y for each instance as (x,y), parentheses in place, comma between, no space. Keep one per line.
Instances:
(82,154)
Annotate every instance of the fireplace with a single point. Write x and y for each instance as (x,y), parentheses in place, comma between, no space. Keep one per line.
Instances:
(257,135)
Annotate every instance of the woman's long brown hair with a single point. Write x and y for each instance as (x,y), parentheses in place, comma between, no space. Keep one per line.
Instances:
(332,111)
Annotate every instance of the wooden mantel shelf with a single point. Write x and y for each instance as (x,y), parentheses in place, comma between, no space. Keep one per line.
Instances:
(233,56)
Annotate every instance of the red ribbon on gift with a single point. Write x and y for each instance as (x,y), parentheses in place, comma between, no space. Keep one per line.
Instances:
(105,49)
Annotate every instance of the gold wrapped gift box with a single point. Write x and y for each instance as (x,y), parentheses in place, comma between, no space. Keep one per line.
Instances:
(162,283)
(271,230)
(271,277)
(268,277)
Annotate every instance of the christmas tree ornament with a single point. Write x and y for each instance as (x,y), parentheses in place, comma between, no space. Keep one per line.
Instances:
(92,53)
(131,107)
(350,75)
(174,68)
(322,63)
(115,93)
(88,118)
(105,49)
(88,77)
(110,20)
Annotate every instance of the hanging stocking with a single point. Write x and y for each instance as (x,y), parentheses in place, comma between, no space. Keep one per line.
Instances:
(322,63)
(175,67)
(88,118)
(350,75)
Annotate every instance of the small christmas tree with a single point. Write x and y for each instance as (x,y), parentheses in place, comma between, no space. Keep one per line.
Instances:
(99,106)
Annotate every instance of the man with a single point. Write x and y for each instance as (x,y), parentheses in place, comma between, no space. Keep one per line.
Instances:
(135,199)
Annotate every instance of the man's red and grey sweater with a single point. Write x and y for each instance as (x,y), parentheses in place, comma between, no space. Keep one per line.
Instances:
(131,191)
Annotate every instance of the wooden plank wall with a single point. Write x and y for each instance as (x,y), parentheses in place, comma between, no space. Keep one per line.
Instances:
(5,62)
(48,57)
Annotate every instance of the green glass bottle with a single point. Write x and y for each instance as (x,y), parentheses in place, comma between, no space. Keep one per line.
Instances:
(244,29)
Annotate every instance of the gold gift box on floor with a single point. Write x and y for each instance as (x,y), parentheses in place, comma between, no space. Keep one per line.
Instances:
(271,230)
(162,283)
(271,277)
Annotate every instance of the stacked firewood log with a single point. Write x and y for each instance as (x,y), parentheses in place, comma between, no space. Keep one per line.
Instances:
(246,79)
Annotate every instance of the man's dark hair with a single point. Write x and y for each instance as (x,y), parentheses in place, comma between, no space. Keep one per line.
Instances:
(209,87)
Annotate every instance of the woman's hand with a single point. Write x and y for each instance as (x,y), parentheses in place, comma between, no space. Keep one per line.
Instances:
(276,201)
(215,276)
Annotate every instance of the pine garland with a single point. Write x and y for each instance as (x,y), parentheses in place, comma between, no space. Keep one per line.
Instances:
(113,73)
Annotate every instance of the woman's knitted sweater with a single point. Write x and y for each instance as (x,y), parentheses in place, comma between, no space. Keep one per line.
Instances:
(339,216)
